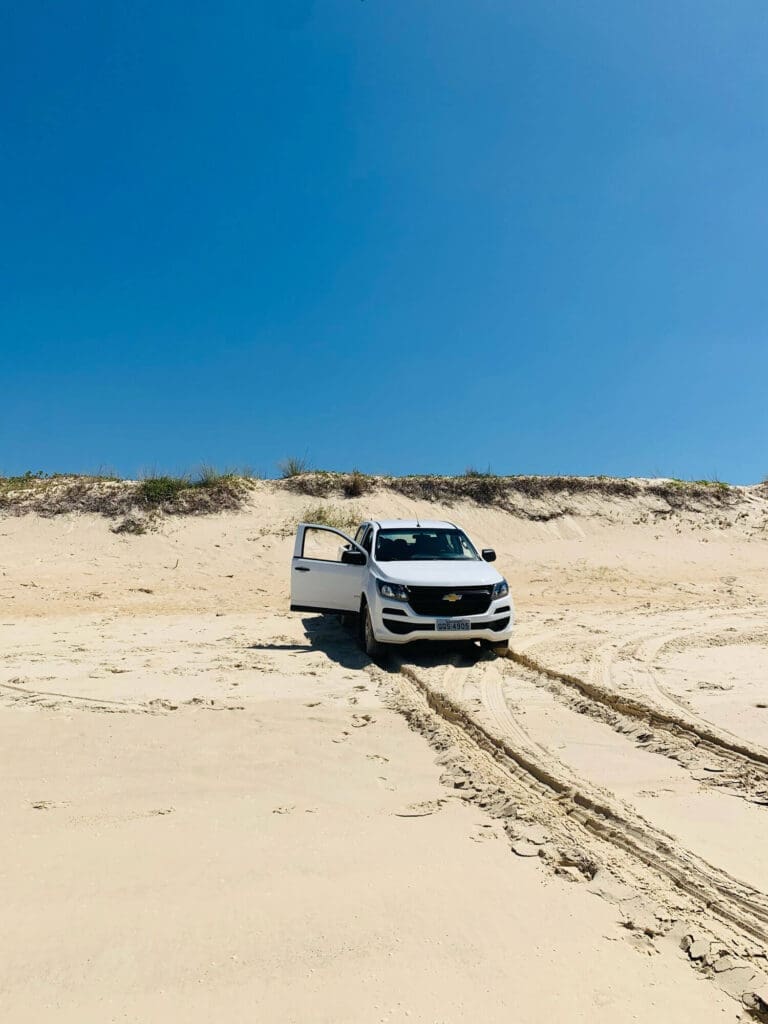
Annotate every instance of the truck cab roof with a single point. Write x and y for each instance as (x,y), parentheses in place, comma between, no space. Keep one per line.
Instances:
(412,524)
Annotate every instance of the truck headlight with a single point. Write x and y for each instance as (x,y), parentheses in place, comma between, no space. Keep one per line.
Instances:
(500,590)
(392,591)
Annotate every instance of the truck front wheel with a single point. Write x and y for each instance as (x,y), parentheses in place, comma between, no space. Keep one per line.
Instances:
(370,644)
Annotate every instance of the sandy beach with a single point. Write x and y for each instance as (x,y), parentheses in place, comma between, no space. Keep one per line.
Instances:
(216,809)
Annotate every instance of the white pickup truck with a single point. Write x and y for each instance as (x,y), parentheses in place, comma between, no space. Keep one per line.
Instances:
(407,580)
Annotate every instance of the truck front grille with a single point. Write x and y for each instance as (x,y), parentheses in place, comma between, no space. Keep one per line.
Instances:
(432,601)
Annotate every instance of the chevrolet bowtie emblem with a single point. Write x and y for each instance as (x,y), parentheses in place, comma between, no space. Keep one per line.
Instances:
(452,597)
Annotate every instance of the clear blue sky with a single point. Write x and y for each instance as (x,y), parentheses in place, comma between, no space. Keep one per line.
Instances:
(403,235)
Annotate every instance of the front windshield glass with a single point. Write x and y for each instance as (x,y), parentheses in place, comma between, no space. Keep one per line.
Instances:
(423,544)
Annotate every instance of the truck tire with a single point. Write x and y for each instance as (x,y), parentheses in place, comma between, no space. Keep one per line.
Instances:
(370,644)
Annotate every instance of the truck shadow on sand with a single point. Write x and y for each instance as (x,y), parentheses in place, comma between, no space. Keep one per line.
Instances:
(330,634)
(338,638)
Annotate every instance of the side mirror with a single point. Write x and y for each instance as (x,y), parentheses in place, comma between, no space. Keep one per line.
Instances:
(489,555)
(353,557)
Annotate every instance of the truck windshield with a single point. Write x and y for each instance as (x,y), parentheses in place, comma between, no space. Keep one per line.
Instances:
(423,544)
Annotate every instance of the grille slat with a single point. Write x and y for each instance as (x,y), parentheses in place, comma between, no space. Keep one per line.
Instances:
(431,601)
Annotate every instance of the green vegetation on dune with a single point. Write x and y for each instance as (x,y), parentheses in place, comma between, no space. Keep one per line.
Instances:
(156,490)
(487,488)
(55,494)
(212,490)
(345,519)
(161,490)
(293,466)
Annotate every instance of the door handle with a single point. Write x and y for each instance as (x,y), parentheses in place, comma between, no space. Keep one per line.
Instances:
(301,568)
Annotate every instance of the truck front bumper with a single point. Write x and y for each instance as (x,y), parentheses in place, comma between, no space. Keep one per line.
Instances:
(403,626)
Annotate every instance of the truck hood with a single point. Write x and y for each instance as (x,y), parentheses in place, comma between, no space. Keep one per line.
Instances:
(438,574)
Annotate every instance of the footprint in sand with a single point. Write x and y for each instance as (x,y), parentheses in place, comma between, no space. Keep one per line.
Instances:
(483,832)
(422,809)
(525,849)
(360,721)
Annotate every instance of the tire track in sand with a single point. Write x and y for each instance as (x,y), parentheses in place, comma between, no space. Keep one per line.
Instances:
(718,894)
(734,763)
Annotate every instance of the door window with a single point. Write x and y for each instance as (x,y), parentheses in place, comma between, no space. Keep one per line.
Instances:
(322,545)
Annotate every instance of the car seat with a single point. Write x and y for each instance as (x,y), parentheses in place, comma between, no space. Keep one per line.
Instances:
(400,550)
(384,550)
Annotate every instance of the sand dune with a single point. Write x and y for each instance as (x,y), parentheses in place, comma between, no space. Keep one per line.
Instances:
(216,809)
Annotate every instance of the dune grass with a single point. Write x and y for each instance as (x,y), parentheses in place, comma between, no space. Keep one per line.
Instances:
(54,494)
(212,490)
(154,490)
(344,519)
(294,466)
(488,488)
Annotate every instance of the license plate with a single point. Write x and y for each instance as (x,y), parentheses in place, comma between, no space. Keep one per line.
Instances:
(450,625)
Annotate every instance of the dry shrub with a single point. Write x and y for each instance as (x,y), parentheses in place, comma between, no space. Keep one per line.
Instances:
(57,495)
